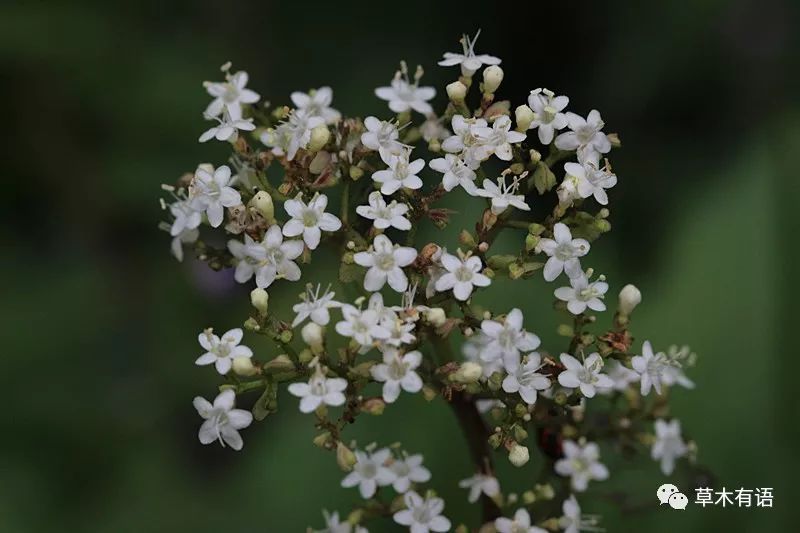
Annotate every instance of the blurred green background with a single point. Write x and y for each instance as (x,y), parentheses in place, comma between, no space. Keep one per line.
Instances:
(99,323)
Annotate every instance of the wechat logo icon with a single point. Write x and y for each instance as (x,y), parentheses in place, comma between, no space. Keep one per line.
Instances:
(670,494)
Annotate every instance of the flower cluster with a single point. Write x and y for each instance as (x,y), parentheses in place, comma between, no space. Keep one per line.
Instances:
(303,178)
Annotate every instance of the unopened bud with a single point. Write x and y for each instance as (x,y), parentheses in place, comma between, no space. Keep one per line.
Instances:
(468,372)
(260,300)
(524,116)
(313,335)
(518,455)
(629,298)
(436,316)
(262,202)
(373,406)
(456,91)
(243,366)
(322,440)
(279,364)
(345,458)
(319,138)
(492,78)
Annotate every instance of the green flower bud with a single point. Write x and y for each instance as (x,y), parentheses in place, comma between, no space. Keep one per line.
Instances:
(373,406)
(319,138)
(356,173)
(492,78)
(468,372)
(435,316)
(345,458)
(259,298)
(251,324)
(524,116)
(262,203)
(456,91)
(495,440)
(520,434)
(518,455)
(243,366)
(323,440)
(313,335)
(279,364)
(629,298)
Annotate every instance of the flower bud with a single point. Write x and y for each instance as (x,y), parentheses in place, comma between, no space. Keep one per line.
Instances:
(457,91)
(492,77)
(345,458)
(373,406)
(260,300)
(313,335)
(468,372)
(279,364)
(243,366)
(436,316)
(262,202)
(319,138)
(518,455)
(524,116)
(629,298)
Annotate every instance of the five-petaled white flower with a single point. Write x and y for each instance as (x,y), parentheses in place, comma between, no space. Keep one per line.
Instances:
(227,129)
(582,294)
(422,515)
(292,134)
(317,103)
(222,351)
(506,340)
(230,95)
(370,472)
(520,524)
(271,259)
(572,521)
(469,60)
(222,421)
(462,274)
(381,135)
(334,525)
(398,371)
(669,444)
(499,138)
(363,326)
(385,262)
(547,108)
(564,252)
(464,141)
(309,220)
(409,470)
(320,390)
(504,195)
(650,366)
(385,215)
(620,375)
(315,306)
(402,173)
(526,379)
(582,464)
(186,217)
(403,96)
(456,172)
(586,376)
(585,136)
(480,484)
(591,180)
(211,192)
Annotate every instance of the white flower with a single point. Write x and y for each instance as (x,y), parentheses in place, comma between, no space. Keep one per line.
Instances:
(385,216)
(333,525)
(271,259)
(505,340)
(363,326)
(582,464)
(211,192)
(469,61)
(370,472)
(456,172)
(401,173)
(382,136)
(230,95)
(582,294)
(320,390)
(409,470)
(222,421)
(503,195)
(433,129)
(592,181)
(650,367)
(527,380)
(520,524)
(499,138)
(292,134)
(548,112)
(668,445)
(673,374)
(400,332)
(309,220)
(402,95)
(564,252)
(186,217)
(187,236)
(317,103)
(422,516)
(461,276)
(464,141)
(573,521)
(222,351)
(396,372)
(472,349)
(480,483)
(314,306)
(620,375)
(586,137)
(227,129)
(385,262)
(586,376)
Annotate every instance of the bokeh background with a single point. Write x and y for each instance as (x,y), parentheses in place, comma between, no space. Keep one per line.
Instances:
(103,102)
